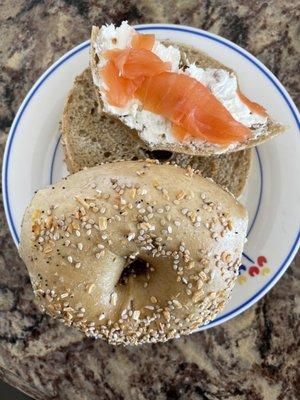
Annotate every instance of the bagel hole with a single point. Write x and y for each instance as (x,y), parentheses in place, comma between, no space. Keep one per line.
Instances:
(136,267)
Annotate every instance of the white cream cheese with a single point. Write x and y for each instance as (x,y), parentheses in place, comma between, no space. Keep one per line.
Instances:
(154,128)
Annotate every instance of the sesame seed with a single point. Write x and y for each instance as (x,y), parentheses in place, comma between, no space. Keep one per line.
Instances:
(153,299)
(165,193)
(136,315)
(78,265)
(70,259)
(89,232)
(113,298)
(177,303)
(91,287)
(203,276)
(184,211)
(102,223)
(131,236)
(77,233)
(64,295)
(80,246)
(167,315)
(197,296)
(191,265)
(81,201)
(133,193)
(101,317)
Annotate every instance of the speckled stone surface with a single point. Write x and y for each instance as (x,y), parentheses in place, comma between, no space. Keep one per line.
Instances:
(256,355)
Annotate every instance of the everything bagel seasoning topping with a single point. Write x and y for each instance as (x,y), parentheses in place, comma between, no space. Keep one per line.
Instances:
(142,221)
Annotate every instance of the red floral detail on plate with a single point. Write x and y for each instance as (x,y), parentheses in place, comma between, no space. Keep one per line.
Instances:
(261,260)
(260,268)
(253,270)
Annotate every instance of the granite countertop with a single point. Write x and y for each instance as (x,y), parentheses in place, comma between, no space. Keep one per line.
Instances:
(256,355)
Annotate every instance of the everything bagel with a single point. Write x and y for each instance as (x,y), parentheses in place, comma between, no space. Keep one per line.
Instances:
(133,251)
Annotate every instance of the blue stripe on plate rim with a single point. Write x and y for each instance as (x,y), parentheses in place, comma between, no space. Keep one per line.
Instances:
(170,27)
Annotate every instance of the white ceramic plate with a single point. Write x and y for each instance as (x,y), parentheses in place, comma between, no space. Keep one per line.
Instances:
(33,158)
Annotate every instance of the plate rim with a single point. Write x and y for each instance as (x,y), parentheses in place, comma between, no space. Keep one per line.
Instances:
(171,27)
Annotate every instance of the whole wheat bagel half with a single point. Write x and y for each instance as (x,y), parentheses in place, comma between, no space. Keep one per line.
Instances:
(133,251)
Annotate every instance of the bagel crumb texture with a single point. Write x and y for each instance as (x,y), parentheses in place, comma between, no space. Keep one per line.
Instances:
(133,252)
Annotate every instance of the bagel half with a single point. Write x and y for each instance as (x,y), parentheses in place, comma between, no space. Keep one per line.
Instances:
(133,251)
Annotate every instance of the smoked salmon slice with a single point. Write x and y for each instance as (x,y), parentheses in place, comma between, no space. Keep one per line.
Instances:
(191,107)
(254,107)
(136,72)
(143,41)
(136,63)
(120,89)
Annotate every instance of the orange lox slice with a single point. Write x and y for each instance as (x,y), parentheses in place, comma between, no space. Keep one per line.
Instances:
(142,41)
(137,63)
(191,107)
(254,107)
(120,90)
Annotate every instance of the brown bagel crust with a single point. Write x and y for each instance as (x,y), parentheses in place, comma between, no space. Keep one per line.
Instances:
(79,235)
